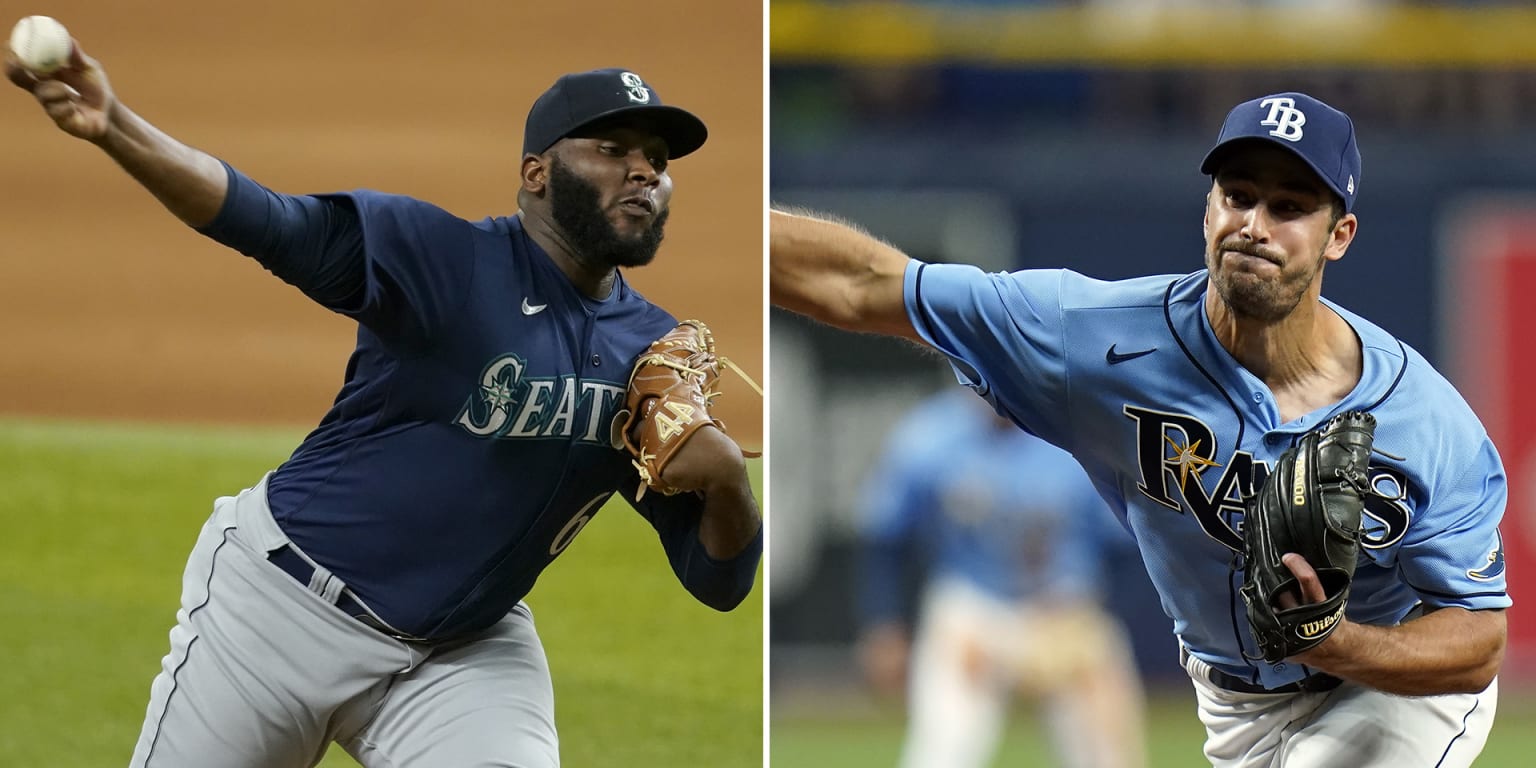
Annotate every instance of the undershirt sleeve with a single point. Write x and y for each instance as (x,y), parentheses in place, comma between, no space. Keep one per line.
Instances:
(313,244)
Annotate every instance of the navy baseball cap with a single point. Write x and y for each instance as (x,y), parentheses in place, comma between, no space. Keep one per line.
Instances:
(579,99)
(1322,136)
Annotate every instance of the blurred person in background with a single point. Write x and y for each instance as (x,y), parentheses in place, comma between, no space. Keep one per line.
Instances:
(1014,541)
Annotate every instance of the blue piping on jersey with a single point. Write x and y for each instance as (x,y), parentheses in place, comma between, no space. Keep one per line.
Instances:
(1401,370)
(981,386)
(917,296)
(1233,601)
(1464,719)
(1242,426)
(1500,593)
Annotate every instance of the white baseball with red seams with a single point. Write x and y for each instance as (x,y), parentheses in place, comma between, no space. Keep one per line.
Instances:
(41,44)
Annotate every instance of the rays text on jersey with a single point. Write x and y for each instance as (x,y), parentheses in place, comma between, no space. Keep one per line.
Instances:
(1175,450)
(1194,449)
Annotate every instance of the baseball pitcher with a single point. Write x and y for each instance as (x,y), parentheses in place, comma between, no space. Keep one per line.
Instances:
(506,382)
(1316,505)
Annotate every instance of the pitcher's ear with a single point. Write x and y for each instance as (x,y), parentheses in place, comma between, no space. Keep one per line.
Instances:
(535,173)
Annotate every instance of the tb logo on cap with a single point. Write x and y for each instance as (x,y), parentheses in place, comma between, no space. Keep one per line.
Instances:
(1286,118)
(638,93)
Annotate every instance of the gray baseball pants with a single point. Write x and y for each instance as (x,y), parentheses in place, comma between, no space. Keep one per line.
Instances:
(264,672)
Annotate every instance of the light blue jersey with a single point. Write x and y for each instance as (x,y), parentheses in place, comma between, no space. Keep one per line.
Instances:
(986,503)
(1131,379)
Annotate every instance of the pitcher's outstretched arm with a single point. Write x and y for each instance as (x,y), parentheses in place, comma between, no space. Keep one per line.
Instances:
(838,274)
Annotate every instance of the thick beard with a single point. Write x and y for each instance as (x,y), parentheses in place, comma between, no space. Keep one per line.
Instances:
(1253,297)
(575,204)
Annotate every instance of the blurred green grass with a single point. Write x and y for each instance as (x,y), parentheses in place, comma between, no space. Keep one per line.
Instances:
(95,525)
(870,736)
(820,733)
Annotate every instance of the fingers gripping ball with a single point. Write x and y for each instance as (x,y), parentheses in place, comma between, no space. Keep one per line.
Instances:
(671,389)
(1311,504)
(41,44)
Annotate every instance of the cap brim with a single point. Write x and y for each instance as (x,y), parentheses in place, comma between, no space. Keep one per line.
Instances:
(679,128)
(1212,161)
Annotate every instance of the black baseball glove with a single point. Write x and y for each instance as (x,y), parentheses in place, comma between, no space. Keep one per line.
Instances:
(1311,505)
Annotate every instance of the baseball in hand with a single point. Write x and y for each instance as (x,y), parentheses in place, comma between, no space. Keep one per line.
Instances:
(41,44)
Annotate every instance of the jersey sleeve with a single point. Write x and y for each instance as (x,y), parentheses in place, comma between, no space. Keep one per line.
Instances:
(314,245)
(719,584)
(1453,555)
(1003,333)
(419,261)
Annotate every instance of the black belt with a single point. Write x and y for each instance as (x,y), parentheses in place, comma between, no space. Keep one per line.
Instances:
(1317,682)
(292,563)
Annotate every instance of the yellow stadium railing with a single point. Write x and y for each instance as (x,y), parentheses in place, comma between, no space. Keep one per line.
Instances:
(913,33)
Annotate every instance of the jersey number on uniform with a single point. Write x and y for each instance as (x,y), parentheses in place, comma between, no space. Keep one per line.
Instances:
(669,427)
(567,534)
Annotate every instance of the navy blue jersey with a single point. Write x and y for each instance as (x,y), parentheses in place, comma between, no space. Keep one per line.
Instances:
(471,440)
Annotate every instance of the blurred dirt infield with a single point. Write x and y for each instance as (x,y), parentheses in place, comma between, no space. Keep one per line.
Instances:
(110,308)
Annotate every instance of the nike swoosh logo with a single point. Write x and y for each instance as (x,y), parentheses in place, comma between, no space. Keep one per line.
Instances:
(532,309)
(1115,358)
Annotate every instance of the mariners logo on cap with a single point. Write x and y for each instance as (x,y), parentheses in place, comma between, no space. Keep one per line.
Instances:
(638,93)
(1286,118)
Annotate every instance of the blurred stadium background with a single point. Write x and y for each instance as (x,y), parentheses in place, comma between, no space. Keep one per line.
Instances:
(1046,134)
(145,370)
